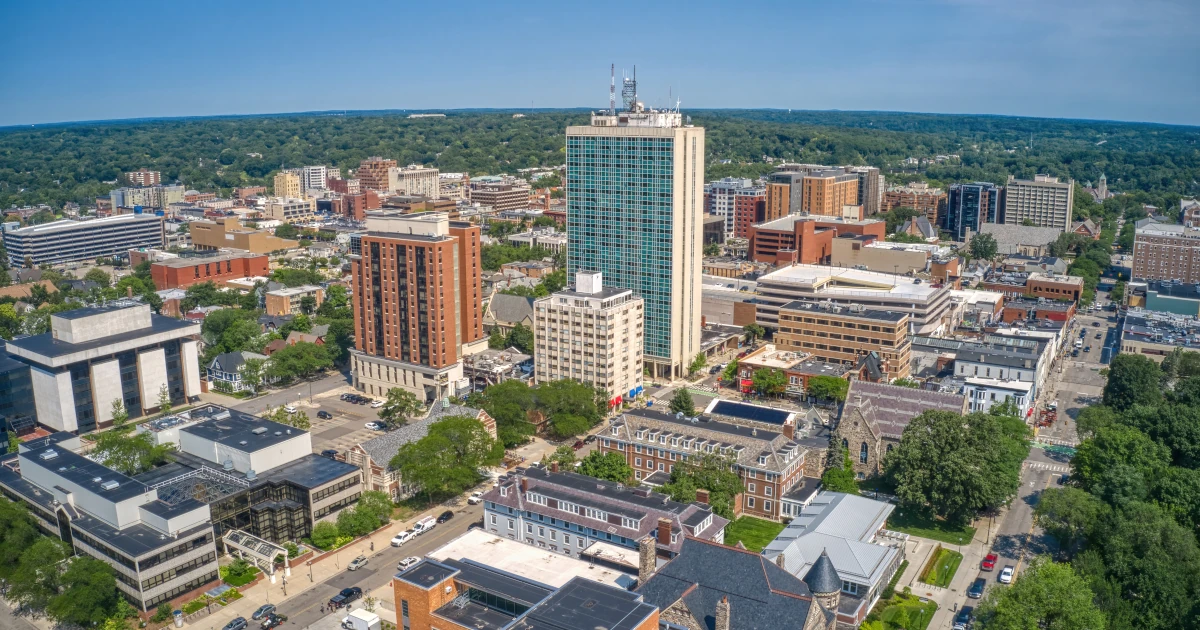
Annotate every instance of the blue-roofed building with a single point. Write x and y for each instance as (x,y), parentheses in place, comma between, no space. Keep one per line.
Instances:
(95,356)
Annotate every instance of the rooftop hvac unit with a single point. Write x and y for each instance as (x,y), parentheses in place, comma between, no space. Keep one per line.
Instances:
(228,465)
(111,484)
(259,431)
(48,455)
(251,475)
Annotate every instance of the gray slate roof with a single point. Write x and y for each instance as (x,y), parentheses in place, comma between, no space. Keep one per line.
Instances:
(510,308)
(822,577)
(383,448)
(890,408)
(923,226)
(761,595)
(1008,237)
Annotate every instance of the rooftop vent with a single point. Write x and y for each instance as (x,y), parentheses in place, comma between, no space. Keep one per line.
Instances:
(243,442)
(228,465)
(111,484)
(259,431)
(48,455)
(251,475)
(95,479)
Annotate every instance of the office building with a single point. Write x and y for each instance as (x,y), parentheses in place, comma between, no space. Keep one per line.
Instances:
(969,206)
(373,172)
(874,254)
(157,196)
(1044,201)
(68,241)
(94,356)
(1161,251)
(183,272)
(928,307)
(143,177)
(345,186)
(417,301)
(18,414)
(870,188)
(290,210)
(930,202)
(758,440)
(313,178)
(546,238)
(501,197)
(783,195)
(622,230)
(875,415)
(590,333)
(825,192)
(247,192)
(844,334)
(805,238)
(287,185)
(414,180)
(749,208)
(288,300)
(719,198)
(567,513)
(228,233)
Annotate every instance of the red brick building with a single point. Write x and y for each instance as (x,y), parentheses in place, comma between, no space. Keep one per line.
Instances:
(1024,310)
(805,239)
(748,209)
(180,273)
(356,206)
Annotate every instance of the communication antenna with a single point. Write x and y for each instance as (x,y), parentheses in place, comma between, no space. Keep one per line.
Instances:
(629,91)
(612,90)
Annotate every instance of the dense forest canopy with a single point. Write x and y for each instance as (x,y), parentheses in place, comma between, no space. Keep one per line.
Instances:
(70,162)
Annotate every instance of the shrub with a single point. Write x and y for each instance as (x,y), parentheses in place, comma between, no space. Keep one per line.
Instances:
(194,605)
(162,613)
(325,535)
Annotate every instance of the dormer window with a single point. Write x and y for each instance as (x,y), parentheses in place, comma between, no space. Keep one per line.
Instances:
(503,491)
(616,431)
(762,459)
(641,435)
(662,439)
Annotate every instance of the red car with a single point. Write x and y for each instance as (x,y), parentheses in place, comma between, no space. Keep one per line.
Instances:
(989,562)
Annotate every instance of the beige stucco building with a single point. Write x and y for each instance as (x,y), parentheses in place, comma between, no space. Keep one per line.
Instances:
(414,180)
(287,185)
(228,233)
(290,210)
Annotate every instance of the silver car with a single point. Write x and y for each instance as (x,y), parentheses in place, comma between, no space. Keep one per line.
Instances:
(357,563)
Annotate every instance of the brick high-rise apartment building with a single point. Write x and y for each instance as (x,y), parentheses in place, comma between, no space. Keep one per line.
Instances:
(373,173)
(1163,251)
(930,202)
(783,195)
(825,192)
(417,300)
(749,207)
(719,197)
(143,177)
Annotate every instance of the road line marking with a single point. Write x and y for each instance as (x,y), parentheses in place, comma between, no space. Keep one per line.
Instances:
(1025,543)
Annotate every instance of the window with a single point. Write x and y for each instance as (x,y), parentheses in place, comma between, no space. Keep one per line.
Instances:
(750,501)
(768,490)
(493,519)
(528,528)
(637,461)
(849,587)
(862,453)
(750,487)
(404,607)
(542,532)
(510,523)
(767,506)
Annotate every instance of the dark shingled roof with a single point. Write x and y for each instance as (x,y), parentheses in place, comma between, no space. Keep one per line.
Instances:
(889,408)
(822,577)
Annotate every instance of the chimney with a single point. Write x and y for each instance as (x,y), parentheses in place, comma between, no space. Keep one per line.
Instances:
(779,562)
(664,531)
(524,484)
(721,622)
(553,466)
(702,496)
(789,430)
(646,559)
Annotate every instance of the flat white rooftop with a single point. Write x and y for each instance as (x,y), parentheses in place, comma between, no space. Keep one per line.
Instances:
(993,383)
(840,281)
(548,567)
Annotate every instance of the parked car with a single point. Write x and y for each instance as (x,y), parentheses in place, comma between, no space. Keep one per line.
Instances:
(976,590)
(1006,574)
(1099,336)
(289,409)
(577,445)
(376,426)
(475,497)
(402,537)
(263,611)
(475,525)
(272,621)
(346,596)
(1087,348)
(1096,324)
(989,562)
(963,619)
(378,403)
(424,525)
(331,453)
(357,563)
(407,563)
(324,415)
(237,624)
(1062,481)
(589,439)
(445,516)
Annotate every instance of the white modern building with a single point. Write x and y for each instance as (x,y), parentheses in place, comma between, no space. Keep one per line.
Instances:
(592,334)
(67,240)
(94,356)
(720,197)
(313,178)
(983,393)
(414,180)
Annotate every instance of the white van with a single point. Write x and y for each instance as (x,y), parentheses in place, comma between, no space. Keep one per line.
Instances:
(424,525)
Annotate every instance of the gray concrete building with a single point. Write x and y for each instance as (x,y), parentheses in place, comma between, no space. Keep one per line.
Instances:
(67,240)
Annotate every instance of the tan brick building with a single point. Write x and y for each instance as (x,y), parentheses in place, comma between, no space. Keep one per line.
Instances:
(930,202)
(373,173)
(290,210)
(501,197)
(825,192)
(844,334)
(1166,252)
(228,233)
(287,185)
(287,301)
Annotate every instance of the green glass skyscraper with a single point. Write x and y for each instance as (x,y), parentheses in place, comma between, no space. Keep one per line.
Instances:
(635,200)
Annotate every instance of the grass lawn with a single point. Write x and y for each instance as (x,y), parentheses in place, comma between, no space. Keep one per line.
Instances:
(907,612)
(941,568)
(925,526)
(755,533)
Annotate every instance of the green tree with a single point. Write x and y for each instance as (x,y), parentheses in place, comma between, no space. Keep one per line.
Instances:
(906,382)
(497,340)
(1092,419)
(164,400)
(354,522)
(681,402)
(447,460)
(840,478)
(324,534)
(828,388)
(521,338)
(1132,379)
(983,247)
(38,575)
(1067,514)
(130,454)
(18,532)
(564,456)
(299,360)
(610,465)
(98,276)
(697,363)
(252,373)
(712,249)
(1048,595)
(1118,463)
(14,444)
(753,331)
(730,373)
(710,472)
(89,593)
(510,403)
(376,505)
(400,407)
(768,381)
(308,304)
(571,407)
(555,281)
(119,414)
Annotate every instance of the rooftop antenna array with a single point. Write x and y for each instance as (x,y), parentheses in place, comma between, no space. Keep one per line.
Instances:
(629,91)
(612,89)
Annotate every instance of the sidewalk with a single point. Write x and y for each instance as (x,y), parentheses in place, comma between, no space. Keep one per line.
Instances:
(917,551)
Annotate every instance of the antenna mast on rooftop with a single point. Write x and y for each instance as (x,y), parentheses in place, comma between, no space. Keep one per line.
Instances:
(612,90)
(629,91)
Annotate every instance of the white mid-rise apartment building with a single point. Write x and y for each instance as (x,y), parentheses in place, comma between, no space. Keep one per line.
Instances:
(414,180)
(592,334)
(313,177)
(1044,201)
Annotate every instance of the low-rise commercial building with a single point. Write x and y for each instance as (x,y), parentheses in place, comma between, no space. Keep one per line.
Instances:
(228,233)
(547,238)
(1036,284)
(289,300)
(844,334)
(875,254)
(180,273)
(592,334)
(1164,296)
(805,239)
(290,210)
(68,241)
(500,197)
(983,393)
(1155,335)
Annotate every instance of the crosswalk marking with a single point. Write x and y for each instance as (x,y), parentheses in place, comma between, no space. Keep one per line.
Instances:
(1059,468)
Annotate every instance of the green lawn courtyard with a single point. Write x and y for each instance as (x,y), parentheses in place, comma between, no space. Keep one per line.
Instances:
(941,567)
(754,533)
(915,523)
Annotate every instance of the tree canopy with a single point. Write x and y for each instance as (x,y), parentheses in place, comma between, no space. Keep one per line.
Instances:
(710,472)
(448,460)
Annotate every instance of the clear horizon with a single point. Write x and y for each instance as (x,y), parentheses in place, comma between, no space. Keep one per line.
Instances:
(1106,60)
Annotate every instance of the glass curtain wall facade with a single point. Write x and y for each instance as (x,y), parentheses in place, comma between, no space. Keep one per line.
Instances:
(969,206)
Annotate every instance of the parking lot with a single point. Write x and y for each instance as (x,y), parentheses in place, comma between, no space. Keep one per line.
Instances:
(345,428)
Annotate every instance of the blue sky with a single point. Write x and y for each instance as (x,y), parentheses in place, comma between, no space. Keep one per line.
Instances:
(1135,60)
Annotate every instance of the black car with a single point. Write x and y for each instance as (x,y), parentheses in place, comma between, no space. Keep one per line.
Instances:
(447,515)
(589,439)
(345,597)
(272,621)
(263,611)
(976,590)
(331,453)
(963,619)
(236,624)
(324,415)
